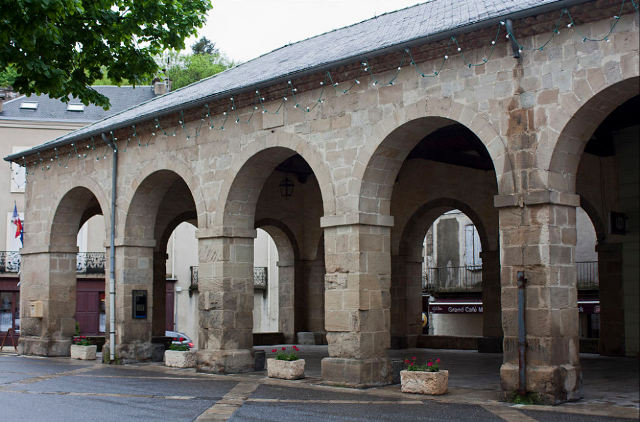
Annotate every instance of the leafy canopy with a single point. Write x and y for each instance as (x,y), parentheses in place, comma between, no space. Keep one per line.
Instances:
(187,69)
(57,47)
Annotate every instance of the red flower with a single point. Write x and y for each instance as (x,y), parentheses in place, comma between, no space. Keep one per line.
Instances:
(406,361)
(284,348)
(438,360)
(274,350)
(414,358)
(295,348)
(430,363)
(411,364)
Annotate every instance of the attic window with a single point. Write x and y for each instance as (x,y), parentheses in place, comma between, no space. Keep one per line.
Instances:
(29,105)
(75,107)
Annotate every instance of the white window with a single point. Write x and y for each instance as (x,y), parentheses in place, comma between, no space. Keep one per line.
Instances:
(473,248)
(18,173)
(13,242)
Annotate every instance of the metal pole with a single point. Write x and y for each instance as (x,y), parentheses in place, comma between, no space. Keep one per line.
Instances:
(522,387)
(112,254)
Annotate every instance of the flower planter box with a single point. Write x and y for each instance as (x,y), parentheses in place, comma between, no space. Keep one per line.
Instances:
(83,352)
(287,370)
(180,359)
(420,382)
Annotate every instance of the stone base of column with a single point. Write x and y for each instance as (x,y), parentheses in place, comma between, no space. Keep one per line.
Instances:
(41,347)
(404,342)
(225,361)
(358,373)
(137,351)
(552,384)
(490,344)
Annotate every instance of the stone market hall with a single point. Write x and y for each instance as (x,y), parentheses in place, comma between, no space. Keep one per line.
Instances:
(345,148)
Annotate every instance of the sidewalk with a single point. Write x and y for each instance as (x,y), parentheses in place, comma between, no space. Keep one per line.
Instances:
(611,386)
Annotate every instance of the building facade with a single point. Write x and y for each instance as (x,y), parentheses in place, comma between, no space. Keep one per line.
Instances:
(418,114)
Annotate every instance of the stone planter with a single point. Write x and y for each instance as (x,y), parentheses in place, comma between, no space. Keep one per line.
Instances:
(83,352)
(287,370)
(180,359)
(434,383)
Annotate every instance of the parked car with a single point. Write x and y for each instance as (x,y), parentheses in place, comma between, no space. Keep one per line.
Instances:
(179,338)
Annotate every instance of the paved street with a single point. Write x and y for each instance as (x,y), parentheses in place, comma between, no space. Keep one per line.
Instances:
(58,389)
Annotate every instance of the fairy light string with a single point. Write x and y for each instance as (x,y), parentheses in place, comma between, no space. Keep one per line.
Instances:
(365,69)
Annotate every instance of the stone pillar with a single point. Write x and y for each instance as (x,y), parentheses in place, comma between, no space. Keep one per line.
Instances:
(286,293)
(225,302)
(406,301)
(491,342)
(612,327)
(539,238)
(48,279)
(357,304)
(134,271)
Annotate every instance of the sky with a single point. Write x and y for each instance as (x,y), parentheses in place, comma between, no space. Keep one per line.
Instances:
(246,29)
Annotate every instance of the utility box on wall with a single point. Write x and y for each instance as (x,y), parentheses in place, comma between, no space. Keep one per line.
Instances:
(36,310)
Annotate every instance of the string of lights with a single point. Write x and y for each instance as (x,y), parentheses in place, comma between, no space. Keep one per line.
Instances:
(364,70)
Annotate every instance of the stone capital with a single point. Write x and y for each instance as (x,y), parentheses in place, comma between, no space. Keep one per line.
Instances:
(34,250)
(135,242)
(356,218)
(537,198)
(226,232)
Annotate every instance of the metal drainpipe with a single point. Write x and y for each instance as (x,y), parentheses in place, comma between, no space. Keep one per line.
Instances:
(112,254)
(522,387)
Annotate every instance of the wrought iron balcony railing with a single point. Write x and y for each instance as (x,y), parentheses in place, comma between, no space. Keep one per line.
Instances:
(453,279)
(588,275)
(86,262)
(194,278)
(10,262)
(260,278)
(91,262)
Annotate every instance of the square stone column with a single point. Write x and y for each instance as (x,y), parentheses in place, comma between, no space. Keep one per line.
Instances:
(612,327)
(406,301)
(492,338)
(47,279)
(539,239)
(286,293)
(134,271)
(357,305)
(225,303)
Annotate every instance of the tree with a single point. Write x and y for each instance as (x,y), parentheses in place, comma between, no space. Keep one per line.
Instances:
(8,76)
(57,47)
(187,69)
(204,46)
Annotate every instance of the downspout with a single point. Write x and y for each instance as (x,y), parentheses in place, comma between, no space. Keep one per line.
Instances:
(522,387)
(112,253)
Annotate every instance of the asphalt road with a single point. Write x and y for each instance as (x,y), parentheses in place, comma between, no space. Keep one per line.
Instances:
(58,389)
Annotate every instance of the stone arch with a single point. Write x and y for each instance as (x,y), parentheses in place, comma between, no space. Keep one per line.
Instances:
(380,160)
(247,174)
(595,217)
(287,252)
(82,199)
(256,161)
(161,190)
(573,124)
(417,227)
(174,166)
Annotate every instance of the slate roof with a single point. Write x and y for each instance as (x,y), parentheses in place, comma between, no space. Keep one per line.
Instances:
(430,21)
(50,109)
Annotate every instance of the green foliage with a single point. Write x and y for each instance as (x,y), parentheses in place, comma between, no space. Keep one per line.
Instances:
(204,46)
(8,76)
(179,347)
(283,355)
(527,399)
(77,328)
(57,47)
(187,69)
(430,366)
(105,80)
